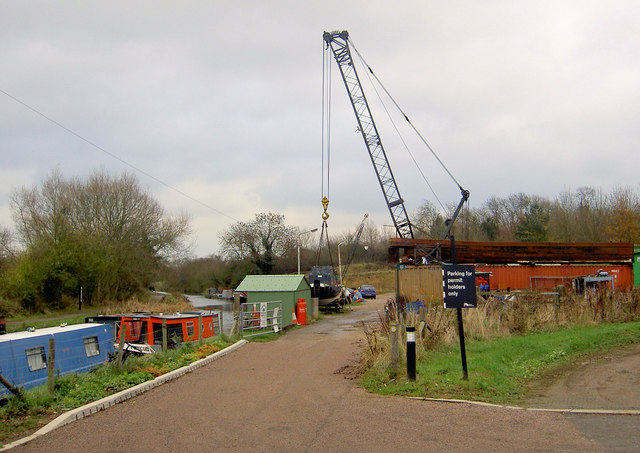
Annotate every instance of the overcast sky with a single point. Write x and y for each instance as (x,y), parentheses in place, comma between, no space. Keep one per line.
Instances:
(223,99)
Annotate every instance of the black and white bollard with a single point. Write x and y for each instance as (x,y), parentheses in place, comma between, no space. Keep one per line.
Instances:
(411,353)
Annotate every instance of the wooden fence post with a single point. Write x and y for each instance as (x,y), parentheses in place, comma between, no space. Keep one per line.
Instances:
(121,337)
(422,326)
(51,364)
(395,348)
(15,390)
(164,334)
(236,329)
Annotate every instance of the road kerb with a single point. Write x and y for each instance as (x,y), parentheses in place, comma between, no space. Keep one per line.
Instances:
(532,409)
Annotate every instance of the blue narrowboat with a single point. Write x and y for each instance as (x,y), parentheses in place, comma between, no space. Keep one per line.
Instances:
(78,348)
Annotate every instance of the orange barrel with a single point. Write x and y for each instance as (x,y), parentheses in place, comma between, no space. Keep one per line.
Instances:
(301,311)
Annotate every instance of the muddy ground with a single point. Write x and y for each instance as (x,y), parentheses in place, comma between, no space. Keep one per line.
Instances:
(607,381)
(295,394)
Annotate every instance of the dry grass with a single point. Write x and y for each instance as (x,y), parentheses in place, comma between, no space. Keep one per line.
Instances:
(494,317)
(168,304)
(500,316)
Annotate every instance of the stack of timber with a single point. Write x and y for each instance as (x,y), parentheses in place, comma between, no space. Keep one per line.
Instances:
(413,251)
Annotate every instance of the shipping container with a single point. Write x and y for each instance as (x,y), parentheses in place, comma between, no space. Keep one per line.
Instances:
(425,282)
(545,277)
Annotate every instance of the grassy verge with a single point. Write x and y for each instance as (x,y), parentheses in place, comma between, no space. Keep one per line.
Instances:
(52,318)
(19,417)
(501,370)
(41,324)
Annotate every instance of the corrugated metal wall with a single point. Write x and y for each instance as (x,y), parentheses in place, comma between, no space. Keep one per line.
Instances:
(425,282)
(545,277)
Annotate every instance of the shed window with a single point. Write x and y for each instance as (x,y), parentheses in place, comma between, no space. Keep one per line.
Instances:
(36,358)
(91,346)
(190,329)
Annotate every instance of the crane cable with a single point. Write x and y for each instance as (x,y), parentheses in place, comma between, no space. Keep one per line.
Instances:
(406,117)
(326,149)
(326,129)
(406,147)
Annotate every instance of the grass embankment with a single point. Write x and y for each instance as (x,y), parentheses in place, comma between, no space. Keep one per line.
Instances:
(19,416)
(512,341)
(19,321)
(501,370)
(382,276)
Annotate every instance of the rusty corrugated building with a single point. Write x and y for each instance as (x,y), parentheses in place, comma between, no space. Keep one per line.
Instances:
(538,266)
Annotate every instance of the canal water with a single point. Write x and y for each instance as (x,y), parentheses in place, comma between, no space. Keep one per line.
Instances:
(223,306)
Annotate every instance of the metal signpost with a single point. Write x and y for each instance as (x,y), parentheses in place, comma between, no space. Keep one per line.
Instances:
(459,291)
(459,285)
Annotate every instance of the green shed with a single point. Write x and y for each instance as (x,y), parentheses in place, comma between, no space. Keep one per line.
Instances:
(284,288)
(636,265)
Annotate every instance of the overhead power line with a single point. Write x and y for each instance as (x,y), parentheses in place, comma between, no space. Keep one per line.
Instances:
(118,158)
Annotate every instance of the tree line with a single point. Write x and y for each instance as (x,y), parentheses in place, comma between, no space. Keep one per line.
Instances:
(587,214)
(109,236)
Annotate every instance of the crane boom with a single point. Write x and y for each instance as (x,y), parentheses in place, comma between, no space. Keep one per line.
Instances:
(338,42)
(354,247)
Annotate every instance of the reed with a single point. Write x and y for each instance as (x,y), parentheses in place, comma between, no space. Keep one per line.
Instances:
(168,304)
(503,316)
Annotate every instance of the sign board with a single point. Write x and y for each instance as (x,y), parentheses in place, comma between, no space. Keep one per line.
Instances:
(276,328)
(459,285)
(263,315)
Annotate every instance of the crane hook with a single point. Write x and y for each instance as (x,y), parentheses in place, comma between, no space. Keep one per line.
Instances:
(325,205)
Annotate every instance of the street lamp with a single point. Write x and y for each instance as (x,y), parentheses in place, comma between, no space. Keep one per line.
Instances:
(339,262)
(299,237)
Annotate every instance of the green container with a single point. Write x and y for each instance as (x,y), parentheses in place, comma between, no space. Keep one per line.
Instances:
(636,266)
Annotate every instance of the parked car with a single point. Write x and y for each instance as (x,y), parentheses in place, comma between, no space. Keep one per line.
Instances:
(368,291)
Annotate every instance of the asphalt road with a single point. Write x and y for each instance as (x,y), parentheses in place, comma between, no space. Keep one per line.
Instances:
(294,395)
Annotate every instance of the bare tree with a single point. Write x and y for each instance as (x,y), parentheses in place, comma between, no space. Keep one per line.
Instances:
(262,241)
(6,244)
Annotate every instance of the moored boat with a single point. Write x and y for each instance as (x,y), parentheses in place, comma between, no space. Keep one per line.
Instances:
(24,356)
(324,285)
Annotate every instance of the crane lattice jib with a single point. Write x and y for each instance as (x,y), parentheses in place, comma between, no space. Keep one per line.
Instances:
(354,247)
(338,42)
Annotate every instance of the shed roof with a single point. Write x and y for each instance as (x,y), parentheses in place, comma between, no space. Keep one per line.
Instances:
(273,283)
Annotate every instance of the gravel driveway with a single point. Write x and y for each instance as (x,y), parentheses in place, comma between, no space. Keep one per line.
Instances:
(289,395)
